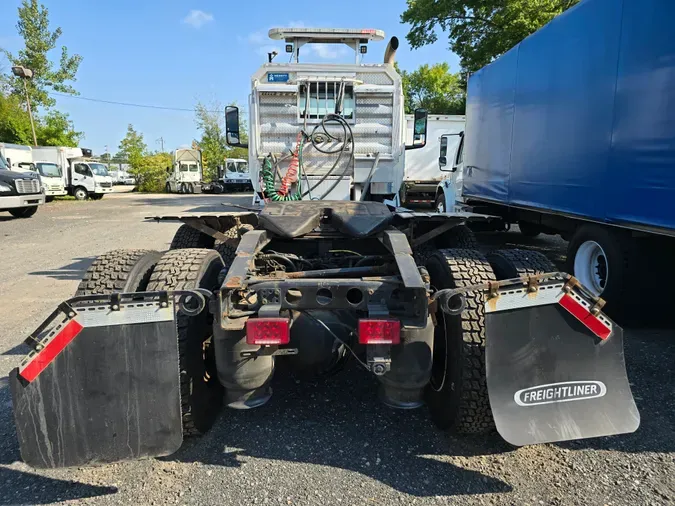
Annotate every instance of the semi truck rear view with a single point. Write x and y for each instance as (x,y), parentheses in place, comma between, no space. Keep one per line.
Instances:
(572,132)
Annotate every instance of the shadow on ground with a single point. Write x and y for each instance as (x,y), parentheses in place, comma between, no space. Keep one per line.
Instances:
(340,423)
(73,270)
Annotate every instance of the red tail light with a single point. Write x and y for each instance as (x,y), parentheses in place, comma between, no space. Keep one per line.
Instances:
(379,331)
(268,331)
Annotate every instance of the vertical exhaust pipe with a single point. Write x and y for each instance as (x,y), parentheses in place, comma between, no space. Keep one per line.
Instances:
(390,52)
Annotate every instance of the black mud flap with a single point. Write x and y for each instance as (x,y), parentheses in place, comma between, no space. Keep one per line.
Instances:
(555,366)
(102,384)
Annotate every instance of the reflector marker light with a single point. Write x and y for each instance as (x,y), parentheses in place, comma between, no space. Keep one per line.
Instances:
(268,331)
(581,313)
(44,357)
(379,331)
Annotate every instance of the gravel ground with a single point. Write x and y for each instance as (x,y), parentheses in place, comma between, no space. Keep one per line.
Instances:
(316,442)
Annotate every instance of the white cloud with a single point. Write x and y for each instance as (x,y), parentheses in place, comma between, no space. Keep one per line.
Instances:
(328,51)
(197,18)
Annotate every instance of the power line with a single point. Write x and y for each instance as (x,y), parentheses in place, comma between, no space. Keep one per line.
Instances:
(128,104)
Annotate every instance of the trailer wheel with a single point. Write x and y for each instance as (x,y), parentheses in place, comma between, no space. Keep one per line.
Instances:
(201,393)
(599,259)
(23,212)
(80,193)
(457,394)
(514,263)
(188,237)
(119,271)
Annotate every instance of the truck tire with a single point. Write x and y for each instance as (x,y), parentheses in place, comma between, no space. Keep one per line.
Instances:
(23,212)
(201,393)
(167,188)
(188,237)
(514,263)
(49,198)
(439,205)
(228,249)
(529,229)
(80,193)
(457,394)
(119,271)
(460,236)
(96,196)
(600,259)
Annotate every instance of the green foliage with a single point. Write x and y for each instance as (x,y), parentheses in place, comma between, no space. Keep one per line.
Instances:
(434,88)
(39,40)
(151,173)
(211,122)
(132,148)
(479,30)
(14,122)
(55,129)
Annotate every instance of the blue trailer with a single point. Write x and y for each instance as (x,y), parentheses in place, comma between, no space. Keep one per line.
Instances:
(572,132)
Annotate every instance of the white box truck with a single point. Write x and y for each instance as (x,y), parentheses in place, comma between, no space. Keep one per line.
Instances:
(83,178)
(422,173)
(186,174)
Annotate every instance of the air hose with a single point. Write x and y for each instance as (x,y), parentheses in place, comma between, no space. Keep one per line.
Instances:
(270,168)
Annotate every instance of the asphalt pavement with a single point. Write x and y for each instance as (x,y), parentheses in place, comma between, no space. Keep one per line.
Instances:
(318,442)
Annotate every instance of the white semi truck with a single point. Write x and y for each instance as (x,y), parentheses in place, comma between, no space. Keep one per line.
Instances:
(186,174)
(422,173)
(82,177)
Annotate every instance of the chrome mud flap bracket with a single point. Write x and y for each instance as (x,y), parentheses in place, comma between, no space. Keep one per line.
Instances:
(102,382)
(554,362)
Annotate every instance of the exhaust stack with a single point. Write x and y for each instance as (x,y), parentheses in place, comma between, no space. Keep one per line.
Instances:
(390,52)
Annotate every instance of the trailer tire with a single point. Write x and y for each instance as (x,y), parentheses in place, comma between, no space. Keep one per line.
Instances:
(80,193)
(514,263)
(23,212)
(189,237)
(457,394)
(200,391)
(119,271)
(529,229)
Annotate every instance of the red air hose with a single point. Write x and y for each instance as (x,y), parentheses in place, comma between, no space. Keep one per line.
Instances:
(292,172)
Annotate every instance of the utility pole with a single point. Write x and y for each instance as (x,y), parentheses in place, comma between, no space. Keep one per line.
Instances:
(25,74)
(161,141)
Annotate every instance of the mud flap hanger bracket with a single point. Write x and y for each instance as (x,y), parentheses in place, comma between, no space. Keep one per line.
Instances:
(453,302)
(189,302)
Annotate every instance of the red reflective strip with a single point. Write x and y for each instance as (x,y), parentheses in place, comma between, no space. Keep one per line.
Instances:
(51,351)
(582,314)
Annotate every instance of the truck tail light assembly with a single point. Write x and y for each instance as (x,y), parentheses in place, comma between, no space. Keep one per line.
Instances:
(268,331)
(379,331)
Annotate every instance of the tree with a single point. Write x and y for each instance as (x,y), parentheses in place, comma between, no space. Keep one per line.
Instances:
(151,174)
(39,41)
(210,121)
(434,88)
(479,30)
(14,121)
(132,148)
(55,129)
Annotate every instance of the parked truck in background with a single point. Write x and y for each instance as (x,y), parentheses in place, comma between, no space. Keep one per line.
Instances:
(422,173)
(20,192)
(185,175)
(82,177)
(572,132)
(22,158)
(233,176)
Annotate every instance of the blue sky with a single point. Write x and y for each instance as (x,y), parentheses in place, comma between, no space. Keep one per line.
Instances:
(175,52)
